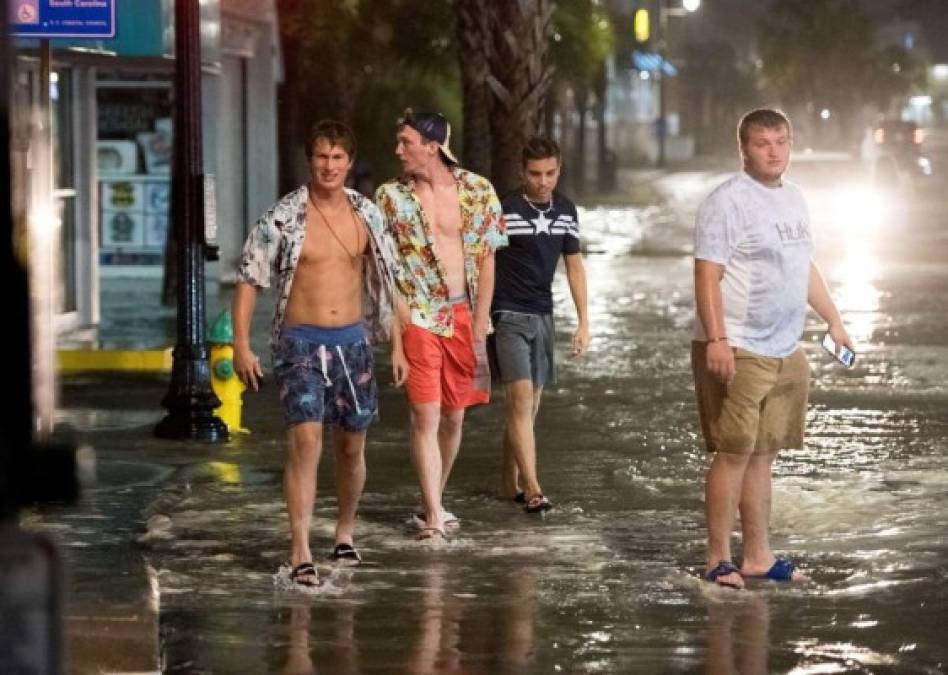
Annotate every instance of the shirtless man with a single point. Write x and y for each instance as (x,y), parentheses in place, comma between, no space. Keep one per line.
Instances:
(446,223)
(327,248)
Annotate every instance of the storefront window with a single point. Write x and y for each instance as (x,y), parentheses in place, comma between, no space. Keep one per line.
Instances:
(64,165)
(133,155)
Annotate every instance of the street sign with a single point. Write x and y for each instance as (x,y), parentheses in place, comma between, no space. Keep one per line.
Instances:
(61,18)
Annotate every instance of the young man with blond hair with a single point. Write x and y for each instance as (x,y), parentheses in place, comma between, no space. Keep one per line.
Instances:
(754,277)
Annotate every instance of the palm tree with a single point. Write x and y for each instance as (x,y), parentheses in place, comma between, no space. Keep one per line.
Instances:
(473,31)
(519,78)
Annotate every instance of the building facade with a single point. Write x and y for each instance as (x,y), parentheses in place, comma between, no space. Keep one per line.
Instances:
(110,108)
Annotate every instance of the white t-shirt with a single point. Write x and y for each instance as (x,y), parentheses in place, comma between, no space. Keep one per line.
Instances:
(761,235)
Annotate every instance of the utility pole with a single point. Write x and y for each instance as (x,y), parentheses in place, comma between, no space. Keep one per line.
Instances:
(190,400)
(662,126)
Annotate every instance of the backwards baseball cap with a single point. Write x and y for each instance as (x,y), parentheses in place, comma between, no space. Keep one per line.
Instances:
(433,127)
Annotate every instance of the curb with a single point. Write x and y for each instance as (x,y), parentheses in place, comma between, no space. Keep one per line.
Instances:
(80,360)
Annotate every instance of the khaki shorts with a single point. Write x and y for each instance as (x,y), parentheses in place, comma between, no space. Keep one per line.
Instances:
(761,411)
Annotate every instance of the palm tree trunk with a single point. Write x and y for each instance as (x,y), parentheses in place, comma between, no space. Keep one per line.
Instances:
(519,78)
(473,30)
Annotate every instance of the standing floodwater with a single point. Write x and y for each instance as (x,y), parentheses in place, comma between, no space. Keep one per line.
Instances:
(608,581)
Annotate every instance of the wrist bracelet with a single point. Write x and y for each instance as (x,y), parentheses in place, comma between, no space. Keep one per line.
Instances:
(718,339)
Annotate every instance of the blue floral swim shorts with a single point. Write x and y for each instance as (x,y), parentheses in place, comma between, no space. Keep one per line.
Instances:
(326,375)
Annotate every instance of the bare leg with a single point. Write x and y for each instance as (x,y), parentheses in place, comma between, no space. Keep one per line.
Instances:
(509,473)
(426,457)
(722,496)
(299,485)
(449,441)
(520,407)
(755,516)
(350,480)
(755,512)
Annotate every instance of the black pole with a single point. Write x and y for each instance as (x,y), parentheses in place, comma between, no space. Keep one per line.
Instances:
(190,399)
(662,86)
(16,420)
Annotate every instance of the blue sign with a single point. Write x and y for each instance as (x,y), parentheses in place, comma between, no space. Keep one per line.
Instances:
(62,18)
(653,63)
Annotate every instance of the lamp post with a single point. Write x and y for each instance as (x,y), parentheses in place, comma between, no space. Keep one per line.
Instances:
(664,11)
(190,399)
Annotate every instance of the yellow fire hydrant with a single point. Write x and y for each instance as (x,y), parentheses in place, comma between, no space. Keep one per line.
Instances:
(224,380)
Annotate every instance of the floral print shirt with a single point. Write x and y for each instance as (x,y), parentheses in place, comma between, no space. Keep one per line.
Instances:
(276,241)
(420,275)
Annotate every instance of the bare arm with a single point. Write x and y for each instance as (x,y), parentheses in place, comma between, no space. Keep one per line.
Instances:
(485,294)
(246,363)
(399,322)
(818,296)
(710,306)
(576,276)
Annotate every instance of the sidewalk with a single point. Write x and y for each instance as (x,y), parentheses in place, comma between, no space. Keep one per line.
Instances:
(111,622)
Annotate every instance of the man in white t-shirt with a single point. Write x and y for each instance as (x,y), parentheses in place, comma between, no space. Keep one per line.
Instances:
(754,277)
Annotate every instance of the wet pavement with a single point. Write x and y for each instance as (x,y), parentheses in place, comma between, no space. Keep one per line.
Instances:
(607,581)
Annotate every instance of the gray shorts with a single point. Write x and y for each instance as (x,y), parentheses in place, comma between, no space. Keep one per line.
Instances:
(521,347)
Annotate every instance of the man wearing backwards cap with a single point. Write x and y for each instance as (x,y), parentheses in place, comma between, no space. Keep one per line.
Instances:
(446,223)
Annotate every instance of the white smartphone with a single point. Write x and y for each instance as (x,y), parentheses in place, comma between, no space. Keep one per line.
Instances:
(844,355)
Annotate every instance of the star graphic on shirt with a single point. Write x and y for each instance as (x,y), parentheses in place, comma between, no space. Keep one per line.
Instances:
(542,224)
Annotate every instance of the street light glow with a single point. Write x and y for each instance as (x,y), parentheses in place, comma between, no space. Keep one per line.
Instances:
(691,5)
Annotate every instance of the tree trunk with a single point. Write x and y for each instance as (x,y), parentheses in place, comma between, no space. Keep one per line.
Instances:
(605,164)
(473,30)
(579,159)
(519,78)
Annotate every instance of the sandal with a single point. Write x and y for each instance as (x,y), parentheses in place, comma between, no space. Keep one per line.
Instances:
(781,570)
(537,504)
(304,574)
(451,521)
(722,569)
(431,534)
(346,554)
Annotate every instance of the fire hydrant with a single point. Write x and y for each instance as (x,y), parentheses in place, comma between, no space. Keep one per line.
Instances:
(224,380)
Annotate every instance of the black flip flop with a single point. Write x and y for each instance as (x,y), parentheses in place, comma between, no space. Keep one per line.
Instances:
(304,574)
(538,504)
(346,553)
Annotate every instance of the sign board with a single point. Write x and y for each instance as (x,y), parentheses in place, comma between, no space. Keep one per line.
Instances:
(61,18)
(210,210)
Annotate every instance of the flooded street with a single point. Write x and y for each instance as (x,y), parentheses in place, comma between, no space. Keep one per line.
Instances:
(608,581)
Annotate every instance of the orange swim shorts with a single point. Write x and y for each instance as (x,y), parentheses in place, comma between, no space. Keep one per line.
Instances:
(442,369)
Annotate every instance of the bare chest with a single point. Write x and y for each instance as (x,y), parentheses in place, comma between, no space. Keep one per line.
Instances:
(443,213)
(333,237)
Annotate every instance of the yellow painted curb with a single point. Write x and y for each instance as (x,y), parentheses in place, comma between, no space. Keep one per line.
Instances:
(149,360)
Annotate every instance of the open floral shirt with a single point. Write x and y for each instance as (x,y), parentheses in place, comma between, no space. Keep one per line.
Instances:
(420,274)
(276,241)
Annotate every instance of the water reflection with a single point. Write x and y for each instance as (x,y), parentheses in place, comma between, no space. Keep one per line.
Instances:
(857,295)
(738,636)
(440,629)
(342,656)
(436,649)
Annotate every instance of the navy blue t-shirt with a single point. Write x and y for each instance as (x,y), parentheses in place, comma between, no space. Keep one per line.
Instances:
(538,235)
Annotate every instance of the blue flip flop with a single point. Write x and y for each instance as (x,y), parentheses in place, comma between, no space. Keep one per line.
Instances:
(723,568)
(781,570)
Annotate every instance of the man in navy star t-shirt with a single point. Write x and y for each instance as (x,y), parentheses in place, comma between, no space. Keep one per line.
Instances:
(542,226)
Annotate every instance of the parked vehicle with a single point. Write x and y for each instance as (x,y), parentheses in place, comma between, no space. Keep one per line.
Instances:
(902,141)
